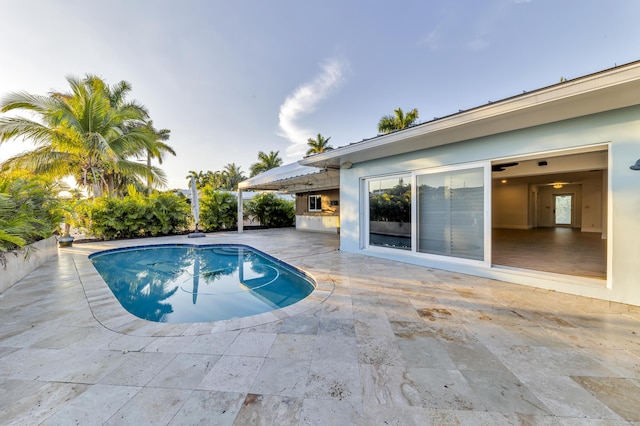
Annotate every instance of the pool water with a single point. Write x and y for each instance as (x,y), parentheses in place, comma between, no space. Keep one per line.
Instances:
(183,283)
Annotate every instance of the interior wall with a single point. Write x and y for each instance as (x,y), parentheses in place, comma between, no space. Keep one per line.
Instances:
(509,208)
(545,204)
(592,202)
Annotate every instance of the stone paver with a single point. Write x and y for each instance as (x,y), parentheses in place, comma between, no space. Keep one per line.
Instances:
(378,342)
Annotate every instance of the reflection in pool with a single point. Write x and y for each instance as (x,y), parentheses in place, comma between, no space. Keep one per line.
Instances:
(181,283)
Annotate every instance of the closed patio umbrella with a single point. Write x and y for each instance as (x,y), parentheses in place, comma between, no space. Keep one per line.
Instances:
(195,208)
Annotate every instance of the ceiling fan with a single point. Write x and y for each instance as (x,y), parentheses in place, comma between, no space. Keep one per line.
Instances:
(502,167)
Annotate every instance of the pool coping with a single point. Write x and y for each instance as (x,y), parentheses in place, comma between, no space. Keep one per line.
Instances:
(107,310)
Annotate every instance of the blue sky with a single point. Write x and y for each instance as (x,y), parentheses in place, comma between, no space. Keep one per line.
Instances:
(231,78)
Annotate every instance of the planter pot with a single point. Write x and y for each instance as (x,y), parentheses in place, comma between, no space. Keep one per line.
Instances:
(65,241)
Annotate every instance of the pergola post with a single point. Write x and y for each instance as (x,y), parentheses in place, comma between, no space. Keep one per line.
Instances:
(240,212)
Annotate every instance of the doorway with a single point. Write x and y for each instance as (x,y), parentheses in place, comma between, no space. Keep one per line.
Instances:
(563,209)
(549,213)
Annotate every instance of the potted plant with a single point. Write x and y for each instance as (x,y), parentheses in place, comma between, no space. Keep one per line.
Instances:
(68,208)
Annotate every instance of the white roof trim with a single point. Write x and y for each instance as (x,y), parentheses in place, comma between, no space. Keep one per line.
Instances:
(286,177)
(607,90)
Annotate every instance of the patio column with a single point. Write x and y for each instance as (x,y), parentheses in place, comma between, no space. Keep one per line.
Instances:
(240,211)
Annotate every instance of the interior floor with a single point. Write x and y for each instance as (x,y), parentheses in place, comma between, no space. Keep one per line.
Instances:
(560,250)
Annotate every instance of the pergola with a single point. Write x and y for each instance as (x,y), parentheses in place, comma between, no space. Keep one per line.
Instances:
(291,178)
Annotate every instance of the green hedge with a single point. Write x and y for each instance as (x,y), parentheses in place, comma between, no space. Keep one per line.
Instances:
(218,210)
(137,215)
(271,211)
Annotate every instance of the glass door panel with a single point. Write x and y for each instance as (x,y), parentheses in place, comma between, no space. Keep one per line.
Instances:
(563,209)
(451,213)
(390,212)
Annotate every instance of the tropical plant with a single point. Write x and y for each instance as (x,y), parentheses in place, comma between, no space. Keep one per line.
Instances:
(28,212)
(271,211)
(138,215)
(70,208)
(232,176)
(157,150)
(90,133)
(318,145)
(218,209)
(265,162)
(398,121)
(13,227)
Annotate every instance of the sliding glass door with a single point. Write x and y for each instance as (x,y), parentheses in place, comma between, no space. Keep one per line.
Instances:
(440,212)
(451,213)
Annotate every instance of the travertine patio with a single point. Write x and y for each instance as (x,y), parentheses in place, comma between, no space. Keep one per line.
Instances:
(380,343)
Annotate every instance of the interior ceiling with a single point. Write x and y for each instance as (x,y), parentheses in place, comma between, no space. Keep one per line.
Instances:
(568,167)
(548,179)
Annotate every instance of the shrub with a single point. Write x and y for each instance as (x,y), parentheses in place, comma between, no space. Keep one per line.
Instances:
(28,211)
(218,209)
(271,211)
(137,215)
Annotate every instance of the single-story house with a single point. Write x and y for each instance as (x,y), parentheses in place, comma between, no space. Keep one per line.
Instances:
(541,189)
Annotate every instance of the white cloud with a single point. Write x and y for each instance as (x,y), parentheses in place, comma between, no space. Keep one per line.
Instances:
(432,40)
(305,100)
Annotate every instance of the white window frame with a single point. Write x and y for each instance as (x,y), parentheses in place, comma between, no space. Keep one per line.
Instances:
(318,203)
(485,165)
(364,242)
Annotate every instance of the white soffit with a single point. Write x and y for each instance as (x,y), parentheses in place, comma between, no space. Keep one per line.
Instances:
(290,176)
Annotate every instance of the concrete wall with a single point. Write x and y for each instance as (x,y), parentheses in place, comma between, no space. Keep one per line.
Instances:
(18,267)
(618,130)
(328,224)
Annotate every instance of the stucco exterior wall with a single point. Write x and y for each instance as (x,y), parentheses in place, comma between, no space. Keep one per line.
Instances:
(328,220)
(329,205)
(619,129)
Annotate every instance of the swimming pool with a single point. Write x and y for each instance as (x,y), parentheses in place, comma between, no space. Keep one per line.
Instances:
(184,283)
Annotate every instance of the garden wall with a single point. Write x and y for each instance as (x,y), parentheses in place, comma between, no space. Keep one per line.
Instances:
(18,268)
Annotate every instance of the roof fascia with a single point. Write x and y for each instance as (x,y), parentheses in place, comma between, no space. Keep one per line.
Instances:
(602,91)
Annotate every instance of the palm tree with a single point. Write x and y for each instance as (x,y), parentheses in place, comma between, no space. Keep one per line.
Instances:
(232,176)
(398,121)
(318,145)
(89,133)
(157,150)
(216,179)
(199,176)
(266,162)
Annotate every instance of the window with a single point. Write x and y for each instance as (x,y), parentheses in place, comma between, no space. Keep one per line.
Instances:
(451,213)
(315,203)
(390,212)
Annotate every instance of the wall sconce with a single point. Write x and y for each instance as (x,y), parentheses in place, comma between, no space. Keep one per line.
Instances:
(346,165)
(636,166)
